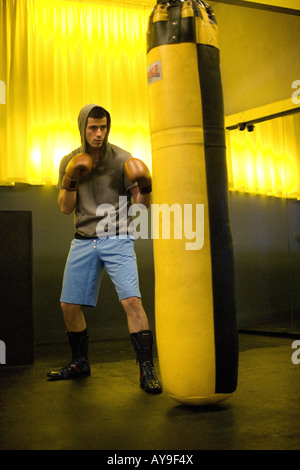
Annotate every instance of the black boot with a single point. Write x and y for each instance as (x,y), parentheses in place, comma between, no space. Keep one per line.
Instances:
(143,345)
(79,366)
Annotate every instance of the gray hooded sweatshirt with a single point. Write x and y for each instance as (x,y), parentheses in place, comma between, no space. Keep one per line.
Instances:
(103,197)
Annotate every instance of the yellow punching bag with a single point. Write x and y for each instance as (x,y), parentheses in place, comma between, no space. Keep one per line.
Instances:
(195,314)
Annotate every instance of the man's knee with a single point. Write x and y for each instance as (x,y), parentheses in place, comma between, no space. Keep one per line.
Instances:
(132,304)
(73,317)
(70,309)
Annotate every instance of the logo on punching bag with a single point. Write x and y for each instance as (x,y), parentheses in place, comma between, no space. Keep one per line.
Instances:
(154,72)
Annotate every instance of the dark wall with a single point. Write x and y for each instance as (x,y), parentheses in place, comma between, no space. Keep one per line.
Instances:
(267,264)
(16,293)
(267,261)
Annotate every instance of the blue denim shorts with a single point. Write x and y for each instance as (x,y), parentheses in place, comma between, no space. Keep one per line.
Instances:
(84,266)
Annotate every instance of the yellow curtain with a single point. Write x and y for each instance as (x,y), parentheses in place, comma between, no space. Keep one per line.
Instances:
(57,56)
(267,160)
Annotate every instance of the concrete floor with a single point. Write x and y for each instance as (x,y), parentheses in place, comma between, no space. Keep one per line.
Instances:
(109,411)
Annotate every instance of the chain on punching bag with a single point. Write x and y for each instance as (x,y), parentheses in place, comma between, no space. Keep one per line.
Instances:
(195,314)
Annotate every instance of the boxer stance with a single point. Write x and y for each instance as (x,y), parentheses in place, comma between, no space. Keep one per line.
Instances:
(99,173)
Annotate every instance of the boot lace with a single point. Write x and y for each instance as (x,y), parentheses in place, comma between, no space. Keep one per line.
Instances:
(149,370)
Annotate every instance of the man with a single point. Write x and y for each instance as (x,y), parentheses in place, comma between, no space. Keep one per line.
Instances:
(95,174)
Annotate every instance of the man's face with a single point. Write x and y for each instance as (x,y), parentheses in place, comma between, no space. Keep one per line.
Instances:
(96,130)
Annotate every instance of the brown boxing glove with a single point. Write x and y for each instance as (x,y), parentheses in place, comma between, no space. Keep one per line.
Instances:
(137,171)
(78,167)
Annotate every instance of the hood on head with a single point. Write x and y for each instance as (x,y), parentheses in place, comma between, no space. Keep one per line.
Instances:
(82,121)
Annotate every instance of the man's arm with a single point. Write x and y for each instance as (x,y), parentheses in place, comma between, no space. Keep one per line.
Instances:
(67,201)
(137,172)
(140,198)
(78,167)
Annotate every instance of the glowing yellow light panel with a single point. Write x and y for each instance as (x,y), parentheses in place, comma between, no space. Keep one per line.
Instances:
(57,56)
(267,160)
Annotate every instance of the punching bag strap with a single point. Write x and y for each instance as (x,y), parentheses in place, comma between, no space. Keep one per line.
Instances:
(174,23)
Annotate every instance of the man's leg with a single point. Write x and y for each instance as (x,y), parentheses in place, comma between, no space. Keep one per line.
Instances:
(136,316)
(73,317)
(78,340)
(79,288)
(119,259)
(142,340)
